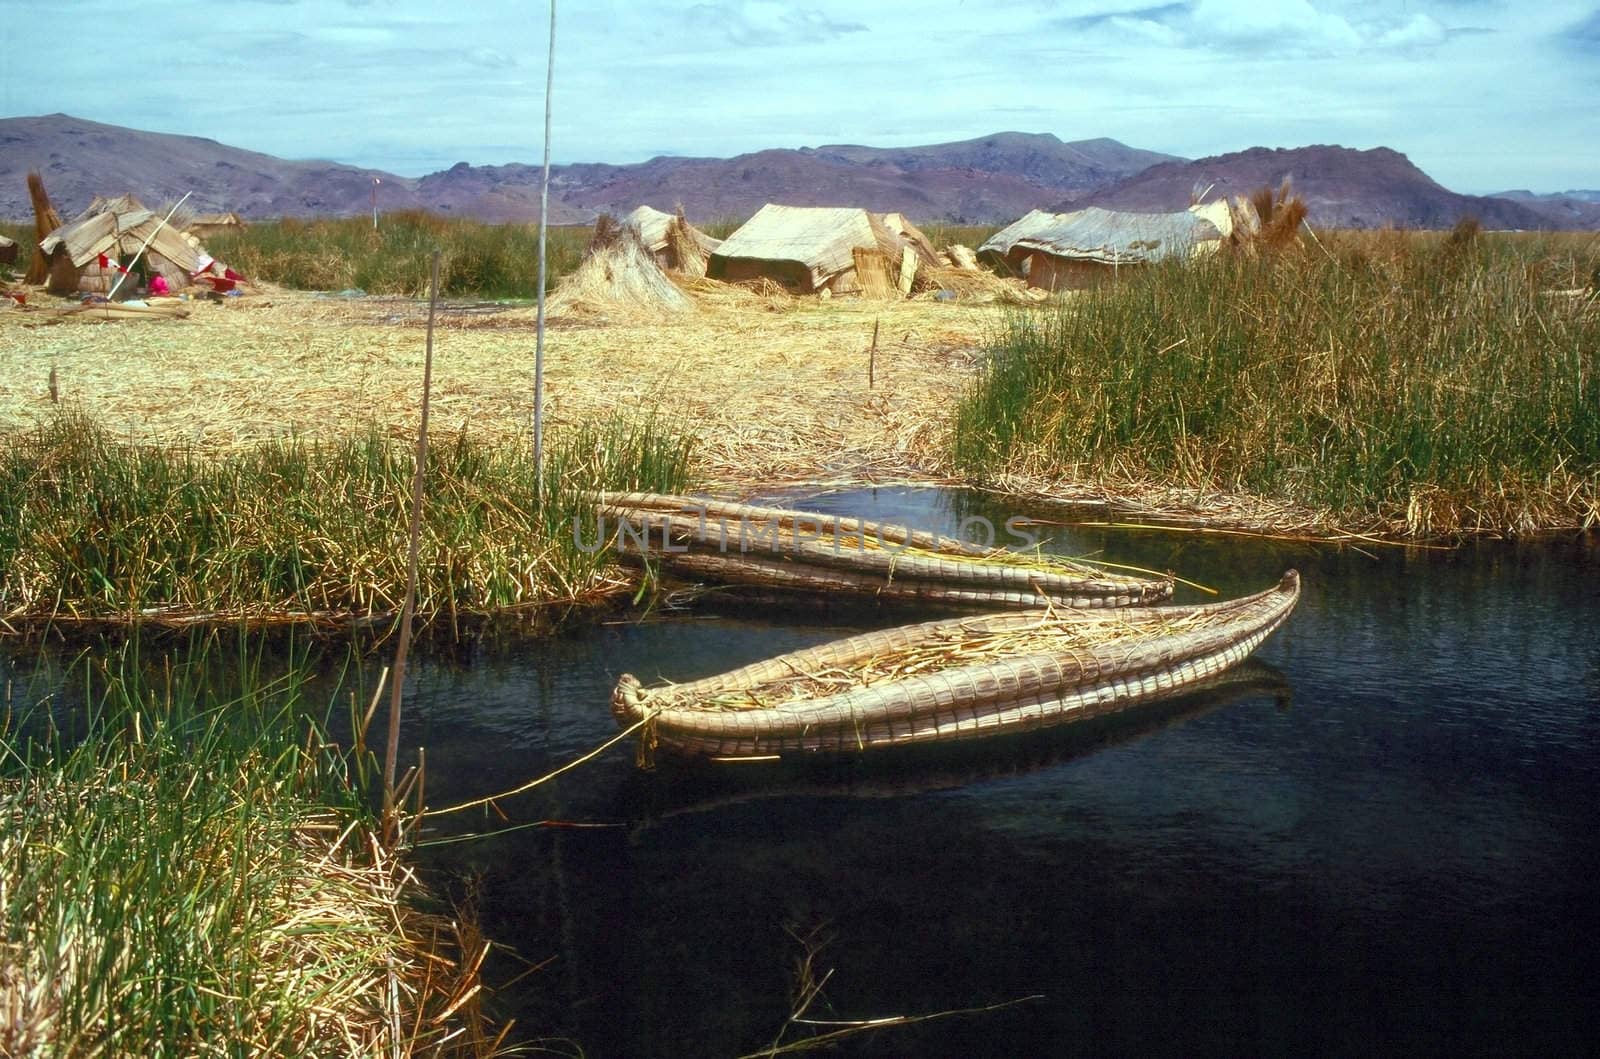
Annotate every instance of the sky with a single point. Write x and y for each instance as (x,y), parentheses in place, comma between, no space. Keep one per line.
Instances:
(1484,95)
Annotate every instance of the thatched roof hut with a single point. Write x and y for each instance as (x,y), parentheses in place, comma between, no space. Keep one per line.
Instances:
(202,225)
(811,248)
(663,234)
(115,229)
(1059,251)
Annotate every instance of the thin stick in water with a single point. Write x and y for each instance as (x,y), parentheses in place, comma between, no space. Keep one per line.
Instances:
(392,748)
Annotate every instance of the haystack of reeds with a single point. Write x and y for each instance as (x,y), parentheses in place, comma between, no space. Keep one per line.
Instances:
(797,550)
(954,679)
(45,221)
(617,277)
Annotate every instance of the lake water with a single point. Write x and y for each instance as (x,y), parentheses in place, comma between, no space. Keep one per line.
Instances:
(1381,838)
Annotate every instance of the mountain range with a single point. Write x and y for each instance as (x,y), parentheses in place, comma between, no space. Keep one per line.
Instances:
(988,180)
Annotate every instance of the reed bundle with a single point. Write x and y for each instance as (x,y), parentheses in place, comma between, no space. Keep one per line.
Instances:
(688,252)
(45,221)
(618,278)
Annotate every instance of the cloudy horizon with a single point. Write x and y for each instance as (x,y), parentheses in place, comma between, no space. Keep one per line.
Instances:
(1482,95)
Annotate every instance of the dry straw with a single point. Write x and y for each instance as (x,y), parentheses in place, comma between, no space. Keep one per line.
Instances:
(618,279)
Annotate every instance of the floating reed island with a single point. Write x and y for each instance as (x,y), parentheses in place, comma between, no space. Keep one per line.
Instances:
(949,680)
(777,548)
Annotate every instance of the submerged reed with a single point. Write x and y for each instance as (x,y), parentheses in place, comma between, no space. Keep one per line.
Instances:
(1419,385)
(188,873)
(92,529)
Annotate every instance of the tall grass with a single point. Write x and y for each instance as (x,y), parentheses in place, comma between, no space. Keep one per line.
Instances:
(968,235)
(95,529)
(1422,384)
(478,259)
(188,874)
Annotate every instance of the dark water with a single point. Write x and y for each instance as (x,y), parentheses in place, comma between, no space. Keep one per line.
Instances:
(1382,839)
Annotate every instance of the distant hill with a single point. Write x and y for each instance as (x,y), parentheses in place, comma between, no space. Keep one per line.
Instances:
(81,159)
(1565,209)
(989,179)
(1344,188)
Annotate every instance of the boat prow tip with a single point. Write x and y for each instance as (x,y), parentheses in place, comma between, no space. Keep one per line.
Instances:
(1290,582)
(626,700)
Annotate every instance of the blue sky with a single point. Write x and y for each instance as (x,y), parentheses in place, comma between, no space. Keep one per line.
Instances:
(1484,95)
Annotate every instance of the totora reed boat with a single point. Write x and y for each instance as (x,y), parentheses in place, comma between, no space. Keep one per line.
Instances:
(799,551)
(959,678)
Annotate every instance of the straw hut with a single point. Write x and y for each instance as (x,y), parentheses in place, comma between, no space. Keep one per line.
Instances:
(809,249)
(114,230)
(205,225)
(1064,251)
(663,235)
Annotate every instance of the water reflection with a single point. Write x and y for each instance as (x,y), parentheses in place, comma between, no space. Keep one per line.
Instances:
(1404,859)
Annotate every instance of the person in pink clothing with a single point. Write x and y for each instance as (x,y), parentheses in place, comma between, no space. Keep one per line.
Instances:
(158,286)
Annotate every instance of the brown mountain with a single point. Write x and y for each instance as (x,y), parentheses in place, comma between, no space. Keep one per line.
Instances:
(993,178)
(81,159)
(1344,188)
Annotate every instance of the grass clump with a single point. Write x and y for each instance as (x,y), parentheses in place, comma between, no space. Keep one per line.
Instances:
(1416,385)
(188,875)
(93,529)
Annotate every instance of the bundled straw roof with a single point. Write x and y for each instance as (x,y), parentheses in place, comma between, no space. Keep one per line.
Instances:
(119,227)
(655,231)
(1101,236)
(807,248)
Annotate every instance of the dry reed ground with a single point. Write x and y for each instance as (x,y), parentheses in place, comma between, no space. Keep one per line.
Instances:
(775,388)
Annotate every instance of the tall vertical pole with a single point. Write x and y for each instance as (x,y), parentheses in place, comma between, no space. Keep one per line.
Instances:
(391,747)
(544,211)
(374,203)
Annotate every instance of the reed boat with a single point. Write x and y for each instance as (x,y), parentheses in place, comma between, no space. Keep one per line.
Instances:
(954,679)
(778,548)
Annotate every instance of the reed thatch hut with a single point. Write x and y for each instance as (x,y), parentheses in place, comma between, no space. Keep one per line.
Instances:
(1064,251)
(808,249)
(672,240)
(113,230)
(205,225)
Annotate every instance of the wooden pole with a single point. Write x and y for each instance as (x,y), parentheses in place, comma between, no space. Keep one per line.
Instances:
(391,751)
(872,355)
(544,211)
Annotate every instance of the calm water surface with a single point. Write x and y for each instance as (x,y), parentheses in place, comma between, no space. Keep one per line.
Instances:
(1381,839)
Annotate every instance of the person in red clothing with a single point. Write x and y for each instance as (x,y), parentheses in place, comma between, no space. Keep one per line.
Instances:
(158,286)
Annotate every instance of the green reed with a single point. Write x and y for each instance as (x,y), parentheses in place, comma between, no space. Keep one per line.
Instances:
(92,528)
(1429,382)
